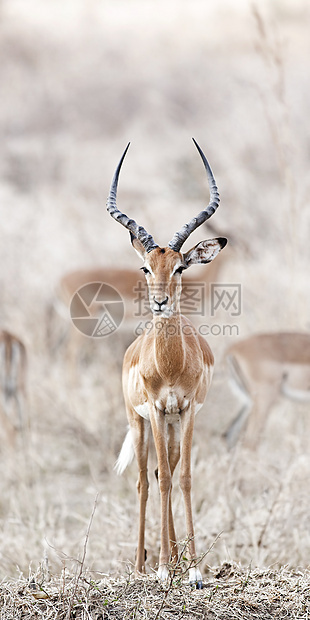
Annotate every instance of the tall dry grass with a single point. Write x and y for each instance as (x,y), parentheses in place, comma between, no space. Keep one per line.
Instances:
(77,81)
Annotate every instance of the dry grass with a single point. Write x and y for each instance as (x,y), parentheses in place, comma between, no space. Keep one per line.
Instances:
(77,81)
(229,592)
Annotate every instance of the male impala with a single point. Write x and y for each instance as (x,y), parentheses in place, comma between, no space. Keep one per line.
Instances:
(12,383)
(166,373)
(263,366)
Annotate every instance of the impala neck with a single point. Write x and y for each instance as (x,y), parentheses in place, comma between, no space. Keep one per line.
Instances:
(169,345)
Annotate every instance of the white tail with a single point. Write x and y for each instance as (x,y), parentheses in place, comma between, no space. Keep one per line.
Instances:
(126,454)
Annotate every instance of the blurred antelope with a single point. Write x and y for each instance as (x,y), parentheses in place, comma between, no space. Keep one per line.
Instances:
(167,371)
(264,366)
(13,362)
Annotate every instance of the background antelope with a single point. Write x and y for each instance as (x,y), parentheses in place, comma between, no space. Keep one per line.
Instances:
(13,366)
(263,366)
(166,373)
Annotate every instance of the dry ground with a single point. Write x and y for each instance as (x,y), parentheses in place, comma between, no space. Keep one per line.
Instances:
(77,81)
(229,593)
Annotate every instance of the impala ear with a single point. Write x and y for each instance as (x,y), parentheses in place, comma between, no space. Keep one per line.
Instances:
(137,245)
(205,251)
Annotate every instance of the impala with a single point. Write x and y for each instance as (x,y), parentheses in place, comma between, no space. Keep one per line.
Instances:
(263,366)
(167,371)
(12,383)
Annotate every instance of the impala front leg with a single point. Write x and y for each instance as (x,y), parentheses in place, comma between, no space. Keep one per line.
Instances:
(187,427)
(164,480)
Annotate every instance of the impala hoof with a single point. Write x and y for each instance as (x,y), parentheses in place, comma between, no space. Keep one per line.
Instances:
(196,584)
(163,573)
(195,578)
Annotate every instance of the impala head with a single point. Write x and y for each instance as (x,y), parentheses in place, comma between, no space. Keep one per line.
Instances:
(163,266)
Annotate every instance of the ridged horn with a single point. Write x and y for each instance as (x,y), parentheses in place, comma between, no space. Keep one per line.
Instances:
(138,231)
(180,237)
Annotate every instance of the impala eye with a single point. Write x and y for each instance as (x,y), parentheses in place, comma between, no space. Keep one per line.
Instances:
(145,270)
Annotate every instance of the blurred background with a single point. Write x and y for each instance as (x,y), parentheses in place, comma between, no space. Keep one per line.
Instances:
(78,80)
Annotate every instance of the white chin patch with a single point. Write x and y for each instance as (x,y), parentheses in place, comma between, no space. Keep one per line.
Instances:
(164,314)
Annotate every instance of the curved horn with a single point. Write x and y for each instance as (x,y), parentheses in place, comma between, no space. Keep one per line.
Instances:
(138,231)
(180,237)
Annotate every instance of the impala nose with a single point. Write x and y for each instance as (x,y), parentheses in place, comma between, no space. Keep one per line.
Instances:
(161,303)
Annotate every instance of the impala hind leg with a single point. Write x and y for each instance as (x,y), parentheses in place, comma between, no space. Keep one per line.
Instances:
(159,430)
(263,401)
(237,426)
(140,433)
(187,428)
(242,390)
(173,457)
(137,443)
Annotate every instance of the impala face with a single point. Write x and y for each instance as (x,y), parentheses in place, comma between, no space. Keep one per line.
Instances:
(163,268)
